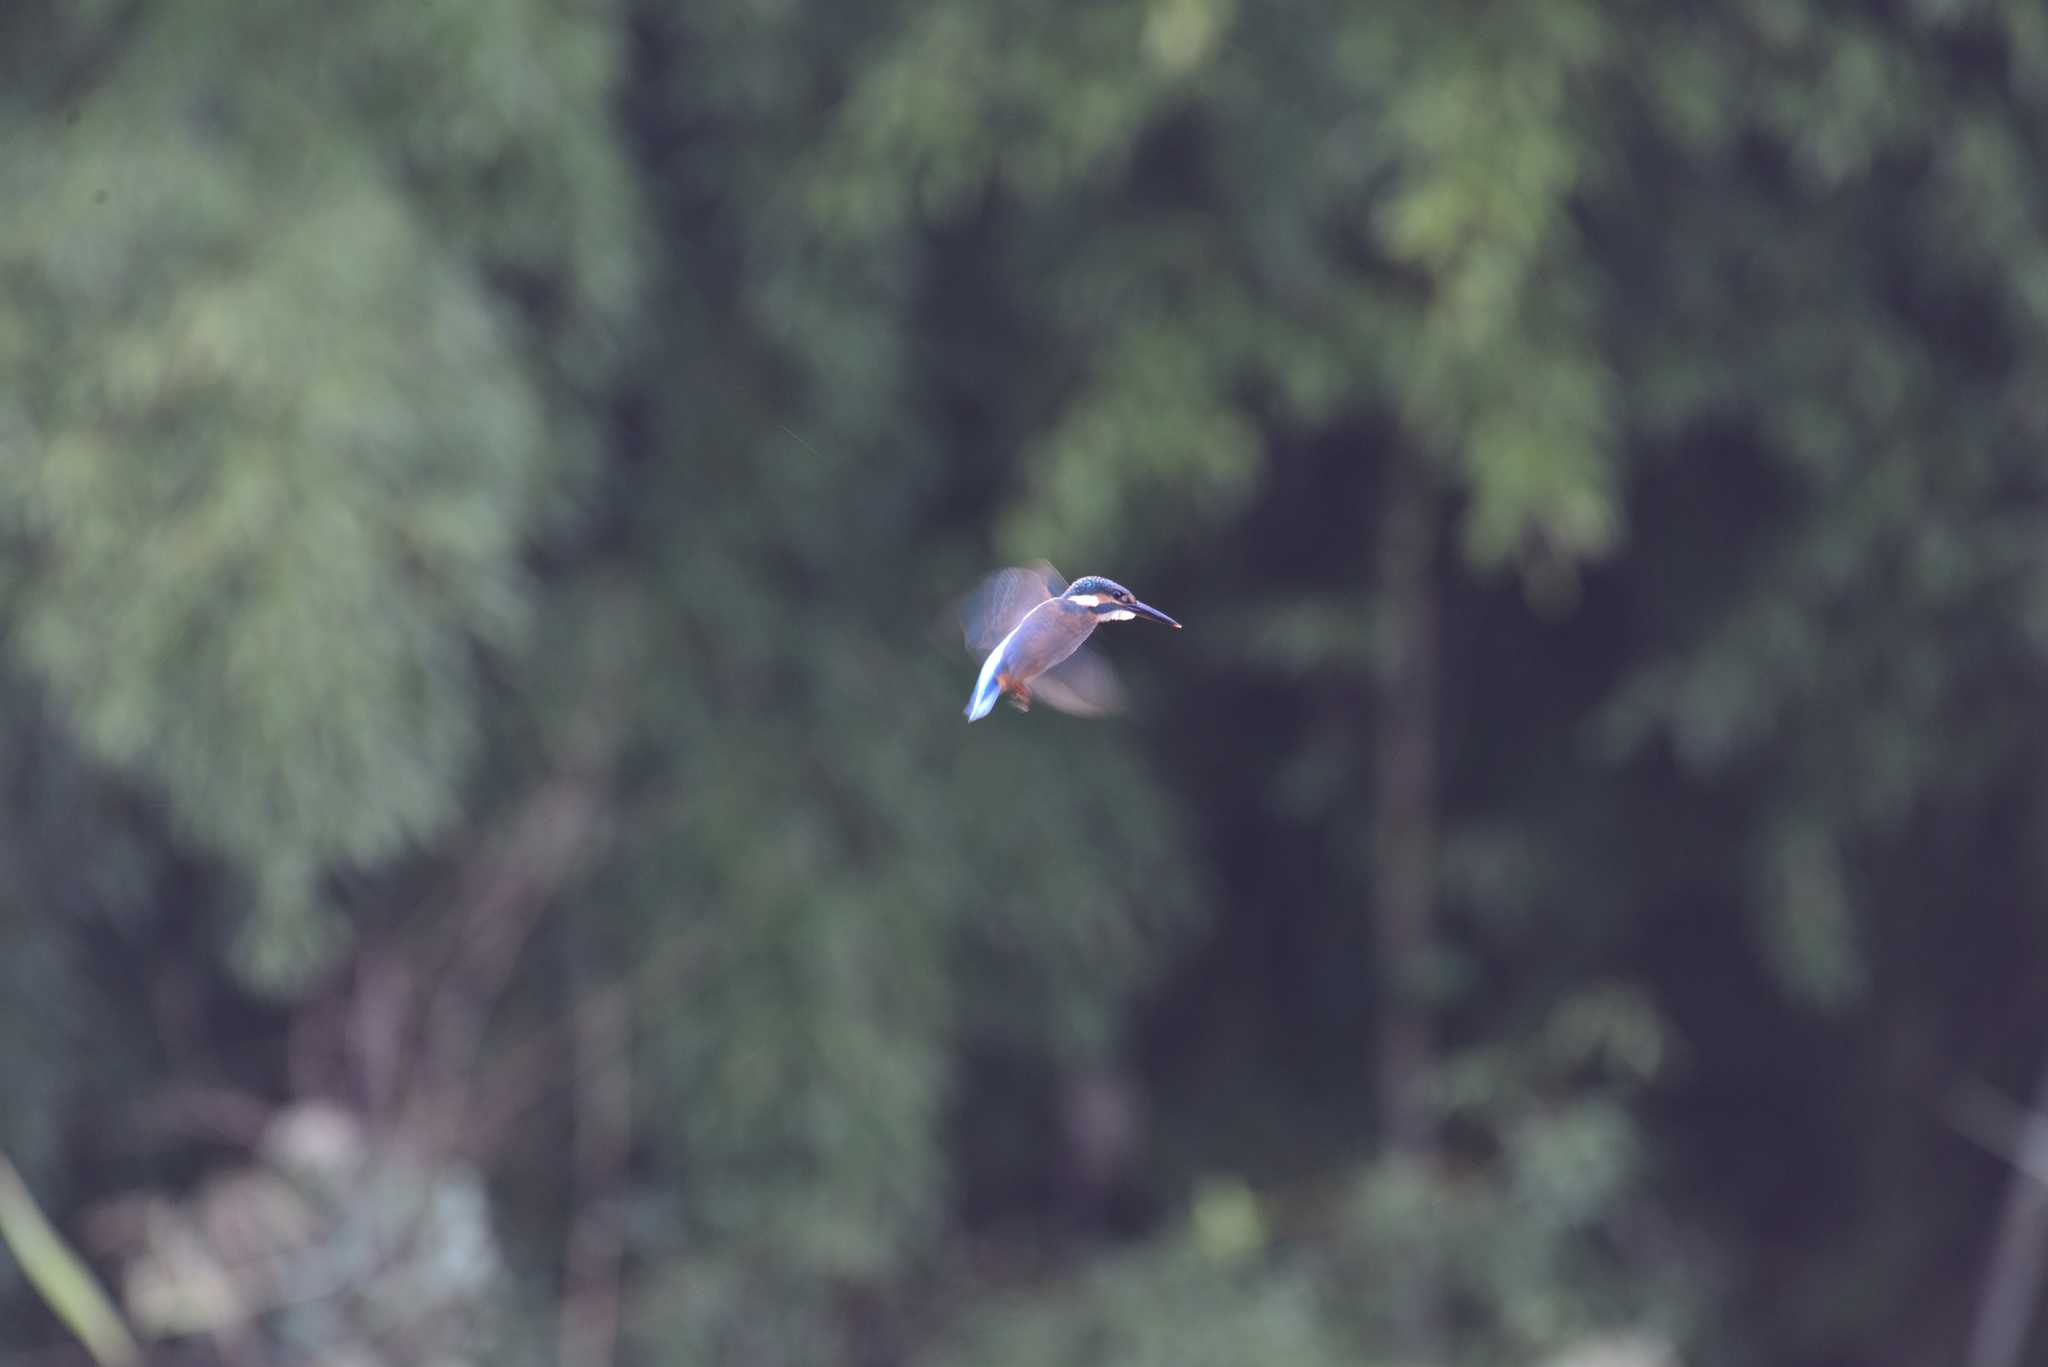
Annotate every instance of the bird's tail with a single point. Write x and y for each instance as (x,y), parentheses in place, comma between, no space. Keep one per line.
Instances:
(987,689)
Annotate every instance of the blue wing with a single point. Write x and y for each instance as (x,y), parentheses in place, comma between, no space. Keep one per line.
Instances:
(1083,686)
(993,610)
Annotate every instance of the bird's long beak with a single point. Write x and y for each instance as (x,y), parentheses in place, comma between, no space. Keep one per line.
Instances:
(1155,614)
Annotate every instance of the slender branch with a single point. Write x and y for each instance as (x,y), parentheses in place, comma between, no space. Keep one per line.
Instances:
(523,1071)
(1404,838)
(381,1009)
(1404,802)
(504,892)
(603,1118)
(199,1111)
(2019,1250)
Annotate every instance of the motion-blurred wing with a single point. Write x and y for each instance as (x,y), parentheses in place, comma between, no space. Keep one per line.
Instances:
(992,611)
(1083,685)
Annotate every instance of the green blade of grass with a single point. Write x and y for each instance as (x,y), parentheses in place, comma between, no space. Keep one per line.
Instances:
(60,1276)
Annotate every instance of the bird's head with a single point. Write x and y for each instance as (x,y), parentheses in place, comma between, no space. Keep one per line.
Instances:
(1111,601)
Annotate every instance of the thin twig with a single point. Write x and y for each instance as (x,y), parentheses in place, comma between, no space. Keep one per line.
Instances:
(522,1073)
(192,1110)
(2019,1250)
(603,1117)
(505,892)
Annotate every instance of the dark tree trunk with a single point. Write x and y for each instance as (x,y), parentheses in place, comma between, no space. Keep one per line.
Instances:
(1405,842)
(1404,802)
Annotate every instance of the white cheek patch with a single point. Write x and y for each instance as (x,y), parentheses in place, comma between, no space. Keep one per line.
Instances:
(1120,615)
(1086,600)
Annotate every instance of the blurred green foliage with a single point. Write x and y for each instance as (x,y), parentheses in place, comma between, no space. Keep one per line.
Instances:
(411,414)
(1166,1304)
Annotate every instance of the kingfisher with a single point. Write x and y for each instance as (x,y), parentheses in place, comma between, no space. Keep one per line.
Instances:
(1030,623)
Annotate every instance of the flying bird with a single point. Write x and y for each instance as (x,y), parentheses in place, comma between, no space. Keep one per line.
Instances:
(1029,624)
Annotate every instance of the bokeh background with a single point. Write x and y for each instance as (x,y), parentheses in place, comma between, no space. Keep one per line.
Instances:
(492,868)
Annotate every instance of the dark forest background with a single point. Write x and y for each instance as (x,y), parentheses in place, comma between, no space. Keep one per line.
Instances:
(492,868)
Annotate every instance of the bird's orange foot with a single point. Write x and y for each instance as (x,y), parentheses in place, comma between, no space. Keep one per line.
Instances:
(1018,694)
